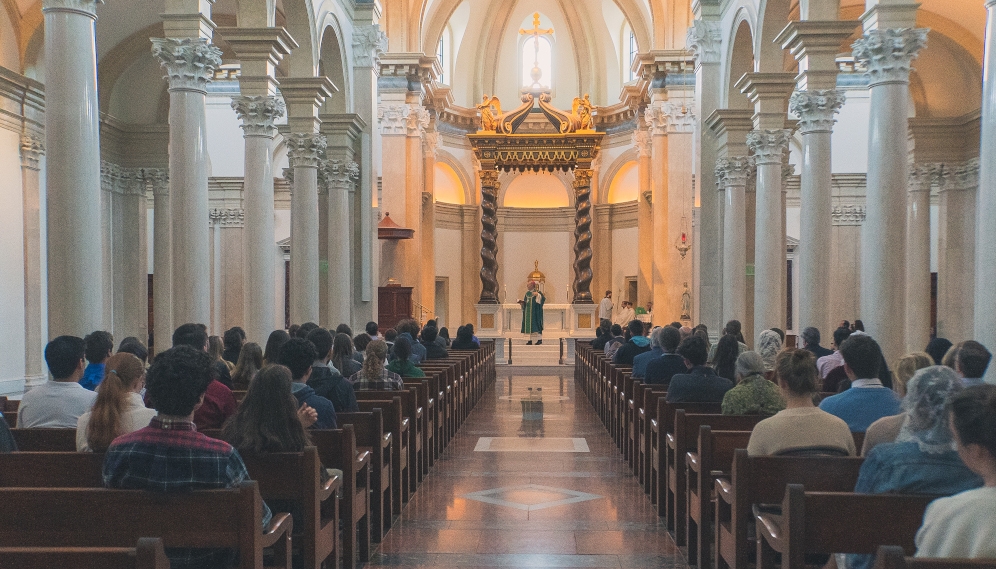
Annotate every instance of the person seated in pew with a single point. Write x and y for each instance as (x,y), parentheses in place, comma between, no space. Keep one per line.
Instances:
(464,340)
(327,381)
(409,329)
(360,342)
(700,383)
(400,362)
(868,399)
(134,346)
(636,344)
(249,364)
(923,460)
(219,402)
(170,455)
(433,351)
(119,408)
(342,355)
(886,429)
(374,376)
(616,340)
(602,336)
(769,343)
(274,342)
(753,394)
(7,442)
(640,361)
(963,525)
(297,355)
(59,402)
(662,369)
(99,345)
(725,359)
(801,425)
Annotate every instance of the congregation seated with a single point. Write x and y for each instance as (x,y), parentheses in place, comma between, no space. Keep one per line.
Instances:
(660,370)
(464,339)
(360,342)
(831,367)
(769,343)
(867,399)
(616,339)
(634,346)
(374,376)
(170,455)
(433,350)
(970,363)
(924,459)
(602,335)
(98,347)
(134,346)
(59,402)
(216,347)
(640,361)
(326,380)
(373,330)
(400,362)
(440,340)
(725,359)
(298,355)
(734,328)
(700,382)
(811,341)
(963,525)
(886,429)
(342,355)
(409,329)
(753,394)
(234,340)
(219,403)
(937,348)
(801,425)
(274,342)
(119,408)
(249,364)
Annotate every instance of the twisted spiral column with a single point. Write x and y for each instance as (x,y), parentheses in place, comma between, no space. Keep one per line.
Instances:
(489,237)
(582,236)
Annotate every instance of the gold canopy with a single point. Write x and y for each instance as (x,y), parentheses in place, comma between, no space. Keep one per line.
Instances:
(536,275)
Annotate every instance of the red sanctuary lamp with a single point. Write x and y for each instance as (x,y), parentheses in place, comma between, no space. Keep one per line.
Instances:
(682,245)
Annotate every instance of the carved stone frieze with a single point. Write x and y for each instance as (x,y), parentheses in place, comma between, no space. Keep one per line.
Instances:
(704,40)
(257,114)
(768,145)
(159,179)
(965,176)
(369,43)
(32,149)
(641,141)
(888,53)
(189,62)
(305,150)
(392,119)
(670,117)
(848,214)
(816,109)
(416,119)
(232,217)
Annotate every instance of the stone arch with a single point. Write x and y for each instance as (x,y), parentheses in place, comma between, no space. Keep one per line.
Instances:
(467,180)
(773,16)
(303,61)
(740,58)
(610,173)
(333,64)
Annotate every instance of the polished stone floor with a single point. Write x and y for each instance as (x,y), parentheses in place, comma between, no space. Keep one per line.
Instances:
(531,480)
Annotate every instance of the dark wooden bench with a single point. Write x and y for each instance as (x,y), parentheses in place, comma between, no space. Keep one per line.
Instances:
(147,554)
(412,411)
(45,440)
(836,522)
(337,449)
(101,517)
(892,557)
(371,437)
(398,425)
(51,470)
(659,429)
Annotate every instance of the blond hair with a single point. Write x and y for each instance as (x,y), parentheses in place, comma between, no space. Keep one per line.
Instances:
(906,367)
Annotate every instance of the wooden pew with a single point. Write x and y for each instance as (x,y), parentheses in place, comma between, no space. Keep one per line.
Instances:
(762,480)
(337,449)
(371,437)
(101,517)
(412,411)
(49,440)
(427,405)
(397,424)
(713,457)
(836,522)
(147,554)
(893,557)
(660,428)
(51,470)
(647,413)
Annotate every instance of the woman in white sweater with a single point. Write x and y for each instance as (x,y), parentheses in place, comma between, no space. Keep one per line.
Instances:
(119,408)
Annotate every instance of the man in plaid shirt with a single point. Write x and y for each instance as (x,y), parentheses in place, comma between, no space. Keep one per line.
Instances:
(170,455)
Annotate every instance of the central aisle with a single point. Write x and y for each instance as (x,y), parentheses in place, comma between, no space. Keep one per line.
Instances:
(517,488)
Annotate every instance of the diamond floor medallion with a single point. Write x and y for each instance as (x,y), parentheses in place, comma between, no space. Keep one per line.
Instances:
(531,497)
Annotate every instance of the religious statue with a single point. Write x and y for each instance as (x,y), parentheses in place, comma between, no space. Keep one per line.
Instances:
(490,113)
(582,110)
(532,312)
(686,304)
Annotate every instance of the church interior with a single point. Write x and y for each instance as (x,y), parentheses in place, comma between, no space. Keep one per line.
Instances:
(516,167)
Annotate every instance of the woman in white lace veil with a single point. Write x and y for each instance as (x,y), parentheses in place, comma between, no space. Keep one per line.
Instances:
(926,415)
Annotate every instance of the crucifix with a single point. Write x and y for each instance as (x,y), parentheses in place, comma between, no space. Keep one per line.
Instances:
(536,73)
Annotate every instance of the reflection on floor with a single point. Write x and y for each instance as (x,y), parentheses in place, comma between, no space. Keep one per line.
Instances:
(532,480)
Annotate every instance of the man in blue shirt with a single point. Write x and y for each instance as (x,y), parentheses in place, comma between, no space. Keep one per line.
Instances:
(640,361)
(867,400)
(298,355)
(99,345)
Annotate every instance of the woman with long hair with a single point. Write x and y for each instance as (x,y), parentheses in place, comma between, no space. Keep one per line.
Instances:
(725,360)
(250,362)
(401,361)
(273,344)
(269,420)
(216,347)
(118,409)
(342,355)
(374,376)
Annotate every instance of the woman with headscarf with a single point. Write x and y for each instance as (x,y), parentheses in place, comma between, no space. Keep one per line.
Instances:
(886,429)
(923,460)
(769,343)
(753,394)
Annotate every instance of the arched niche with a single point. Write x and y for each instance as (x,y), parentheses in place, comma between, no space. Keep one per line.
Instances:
(535,190)
(741,60)
(332,64)
(625,185)
(447,185)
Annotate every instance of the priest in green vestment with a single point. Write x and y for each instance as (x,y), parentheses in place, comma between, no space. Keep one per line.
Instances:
(532,312)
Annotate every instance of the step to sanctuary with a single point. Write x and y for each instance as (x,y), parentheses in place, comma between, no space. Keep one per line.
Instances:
(545,354)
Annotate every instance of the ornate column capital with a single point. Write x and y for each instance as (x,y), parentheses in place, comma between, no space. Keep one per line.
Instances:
(923,176)
(668,117)
(888,53)
(966,175)
(848,214)
(416,119)
(159,178)
(339,174)
(734,171)
(430,143)
(82,7)
(305,150)
(489,179)
(788,170)
(392,119)
(109,174)
(232,217)
(641,141)
(189,62)
(32,149)
(369,43)
(257,114)
(768,145)
(704,40)
(582,178)
(816,109)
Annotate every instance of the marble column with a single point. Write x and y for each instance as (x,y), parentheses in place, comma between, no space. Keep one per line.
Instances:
(887,53)
(732,174)
(656,120)
(815,110)
(304,153)
(162,259)
(430,141)
(72,140)
(416,122)
(957,241)
(257,114)
(985,246)
(340,177)
(130,260)
(32,150)
(189,64)
(644,224)
(918,259)
(769,244)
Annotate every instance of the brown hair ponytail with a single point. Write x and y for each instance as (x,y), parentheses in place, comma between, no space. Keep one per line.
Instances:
(121,371)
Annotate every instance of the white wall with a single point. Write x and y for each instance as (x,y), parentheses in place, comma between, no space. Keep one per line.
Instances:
(517,250)
(11,263)
(225,145)
(624,260)
(849,143)
(449,253)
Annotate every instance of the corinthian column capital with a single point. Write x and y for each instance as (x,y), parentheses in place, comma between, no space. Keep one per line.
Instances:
(734,171)
(816,109)
(416,119)
(305,150)
(32,149)
(189,62)
(768,145)
(82,7)
(888,53)
(257,114)
(704,40)
(641,141)
(369,43)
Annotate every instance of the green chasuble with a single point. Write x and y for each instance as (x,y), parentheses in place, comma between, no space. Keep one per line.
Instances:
(532,312)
